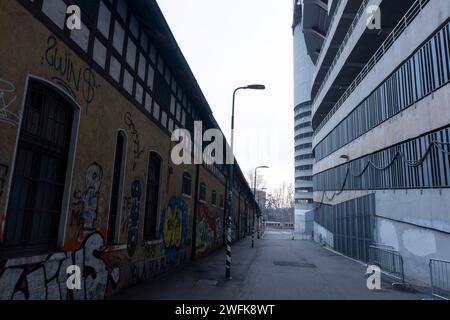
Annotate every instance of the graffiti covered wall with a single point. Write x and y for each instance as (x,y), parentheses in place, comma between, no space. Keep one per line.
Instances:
(174,229)
(209,229)
(100,111)
(47,279)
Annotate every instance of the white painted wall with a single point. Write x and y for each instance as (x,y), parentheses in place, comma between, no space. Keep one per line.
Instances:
(416,245)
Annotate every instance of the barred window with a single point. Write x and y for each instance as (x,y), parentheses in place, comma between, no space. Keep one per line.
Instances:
(39,176)
(186,186)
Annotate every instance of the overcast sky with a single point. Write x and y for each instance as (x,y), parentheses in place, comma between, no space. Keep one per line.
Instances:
(230,43)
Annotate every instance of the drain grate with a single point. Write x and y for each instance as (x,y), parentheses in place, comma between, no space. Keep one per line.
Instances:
(294,264)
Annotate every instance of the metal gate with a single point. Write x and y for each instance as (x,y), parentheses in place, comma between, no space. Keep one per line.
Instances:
(351,223)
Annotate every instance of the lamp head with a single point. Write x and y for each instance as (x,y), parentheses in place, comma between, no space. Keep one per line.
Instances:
(256,87)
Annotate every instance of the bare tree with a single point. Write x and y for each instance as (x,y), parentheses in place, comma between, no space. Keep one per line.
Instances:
(282,197)
(260,182)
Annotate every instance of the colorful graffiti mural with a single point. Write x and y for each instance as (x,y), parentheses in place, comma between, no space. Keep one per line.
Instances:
(47,279)
(219,231)
(86,202)
(173,230)
(208,229)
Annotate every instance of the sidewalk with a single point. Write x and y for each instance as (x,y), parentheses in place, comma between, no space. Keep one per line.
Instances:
(277,268)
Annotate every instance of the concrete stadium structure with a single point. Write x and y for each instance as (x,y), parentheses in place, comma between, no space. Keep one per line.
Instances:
(381,117)
(304,156)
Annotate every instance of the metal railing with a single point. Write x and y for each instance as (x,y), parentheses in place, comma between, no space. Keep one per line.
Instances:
(330,26)
(383,246)
(389,261)
(440,278)
(410,15)
(343,45)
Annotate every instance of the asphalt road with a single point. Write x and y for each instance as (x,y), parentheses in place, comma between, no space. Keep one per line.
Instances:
(277,268)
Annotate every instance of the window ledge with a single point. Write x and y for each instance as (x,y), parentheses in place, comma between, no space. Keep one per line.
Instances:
(22,261)
(23,256)
(186,195)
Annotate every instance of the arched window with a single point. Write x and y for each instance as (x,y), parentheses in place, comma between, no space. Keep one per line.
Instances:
(152,197)
(39,177)
(186,186)
(117,188)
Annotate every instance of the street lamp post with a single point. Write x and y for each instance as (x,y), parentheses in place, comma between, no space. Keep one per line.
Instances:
(230,165)
(254,192)
(260,222)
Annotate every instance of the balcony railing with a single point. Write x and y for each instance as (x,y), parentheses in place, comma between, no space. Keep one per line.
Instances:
(410,15)
(343,45)
(321,52)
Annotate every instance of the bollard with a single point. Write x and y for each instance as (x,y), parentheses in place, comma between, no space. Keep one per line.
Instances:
(253,237)
(228,262)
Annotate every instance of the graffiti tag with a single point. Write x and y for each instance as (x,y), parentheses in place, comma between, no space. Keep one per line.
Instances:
(68,76)
(137,151)
(173,228)
(133,224)
(87,201)
(7,89)
(48,279)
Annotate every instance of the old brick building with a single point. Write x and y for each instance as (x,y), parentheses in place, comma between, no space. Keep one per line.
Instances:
(86,177)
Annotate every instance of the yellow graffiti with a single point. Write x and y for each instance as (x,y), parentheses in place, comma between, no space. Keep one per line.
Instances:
(173,227)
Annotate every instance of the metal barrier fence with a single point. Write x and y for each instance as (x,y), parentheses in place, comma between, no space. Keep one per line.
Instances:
(351,224)
(440,278)
(303,236)
(389,261)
